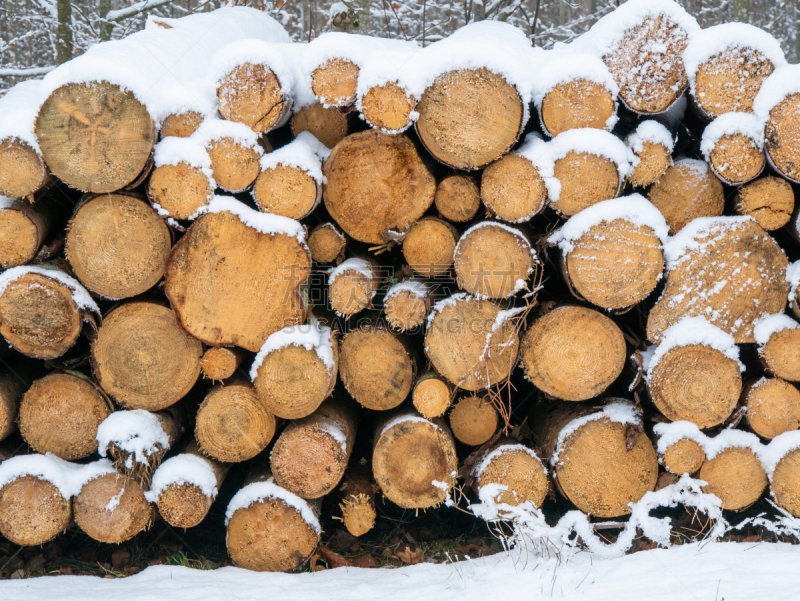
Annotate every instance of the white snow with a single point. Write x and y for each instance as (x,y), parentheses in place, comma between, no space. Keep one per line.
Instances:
(183,469)
(719,38)
(650,131)
(693,330)
(166,68)
(783,82)
(312,336)
(18,109)
(777,449)
(670,433)
(520,283)
(621,413)
(212,129)
(403,418)
(504,449)
(415,287)
(745,124)
(67,477)
(258,491)
(173,151)
(634,208)
(335,431)
(80,296)
(6,202)
(305,152)
(768,325)
(502,317)
(266,223)
(134,431)
(358,265)
(447,302)
(677,249)
(793,277)
(337,8)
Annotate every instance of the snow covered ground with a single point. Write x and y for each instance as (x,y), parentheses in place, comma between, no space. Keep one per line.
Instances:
(696,572)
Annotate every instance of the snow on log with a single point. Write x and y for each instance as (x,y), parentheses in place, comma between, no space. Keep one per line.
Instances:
(778,105)
(652,145)
(407,305)
(516,468)
(781,459)
(733,146)
(778,339)
(687,190)
(428,246)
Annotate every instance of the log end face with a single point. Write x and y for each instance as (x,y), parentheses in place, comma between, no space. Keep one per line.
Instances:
(769,200)
(458,198)
(654,160)
(180,189)
(326,244)
(737,159)
(181,125)
(684,457)
(335,82)
(388,108)
(473,420)
(358,514)
(782,354)
(577,104)
(428,247)
(32,511)
(22,170)
(112,509)
(328,125)
(786,482)
(183,505)
(20,237)
(513,189)
(586,179)
(735,476)
(286,191)
(525,477)
(773,407)
(729,81)
(431,397)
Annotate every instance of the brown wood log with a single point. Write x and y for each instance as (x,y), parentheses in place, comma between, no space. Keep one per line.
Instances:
(358,500)
(287,191)
(737,159)
(469,118)
(654,160)
(769,200)
(586,179)
(473,420)
(407,305)
(428,246)
(596,468)
(11,390)
(353,284)
(754,287)
(292,381)
(235,166)
(513,189)
(376,367)
(334,82)
(181,125)
(60,414)
(780,137)
(251,94)
(232,424)
(388,108)
(773,407)
(457,198)
(311,454)
(785,484)
(33,511)
(573,353)
(781,354)
(492,259)
(462,346)
(327,243)
(220,363)
(112,508)
(184,504)
(117,245)
(22,169)
(577,104)
(95,137)
(230,284)
(382,172)
(736,476)
(432,395)
(327,124)
(409,454)
(695,383)
(684,457)
(516,467)
(180,189)
(142,357)
(23,229)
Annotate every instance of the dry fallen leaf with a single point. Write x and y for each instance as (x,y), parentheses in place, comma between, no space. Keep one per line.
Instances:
(120,557)
(333,559)
(409,556)
(753,538)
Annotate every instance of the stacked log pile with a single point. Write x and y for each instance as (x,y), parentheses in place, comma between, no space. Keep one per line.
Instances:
(571,272)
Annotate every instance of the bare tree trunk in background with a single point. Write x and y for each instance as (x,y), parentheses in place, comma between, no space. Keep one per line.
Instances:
(64,39)
(105,28)
(479,10)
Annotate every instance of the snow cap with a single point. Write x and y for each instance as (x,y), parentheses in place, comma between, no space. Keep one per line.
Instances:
(313,337)
(266,223)
(768,325)
(18,109)
(80,296)
(258,491)
(67,477)
(183,469)
(746,124)
(134,431)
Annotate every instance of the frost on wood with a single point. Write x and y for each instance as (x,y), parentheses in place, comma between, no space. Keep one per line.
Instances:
(80,296)
(183,469)
(137,432)
(259,491)
(312,337)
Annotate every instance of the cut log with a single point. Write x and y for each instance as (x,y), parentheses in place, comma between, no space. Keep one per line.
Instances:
(60,414)
(388,108)
(352,285)
(269,528)
(785,483)
(185,486)
(736,476)
(311,454)
(236,255)
(493,260)
(334,82)
(42,310)
(112,509)
(473,420)
(573,353)
(376,183)
(733,146)
(469,118)
(235,166)
(432,395)
(142,357)
(471,342)
(180,189)
(33,511)
(516,467)
(769,200)
(731,250)
(780,137)
(326,243)
(252,94)
(220,363)
(428,246)
(296,370)
(652,144)
(409,454)
(686,191)
(358,501)
(685,456)
(10,395)
(95,137)
(695,383)
(780,352)
(376,367)
(597,465)
(457,198)
(586,179)
(773,407)
(326,124)
(22,170)
(181,125)
(513,189)
(233,425)
(23,229)
(577,104)
(407,305)
(117,245)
